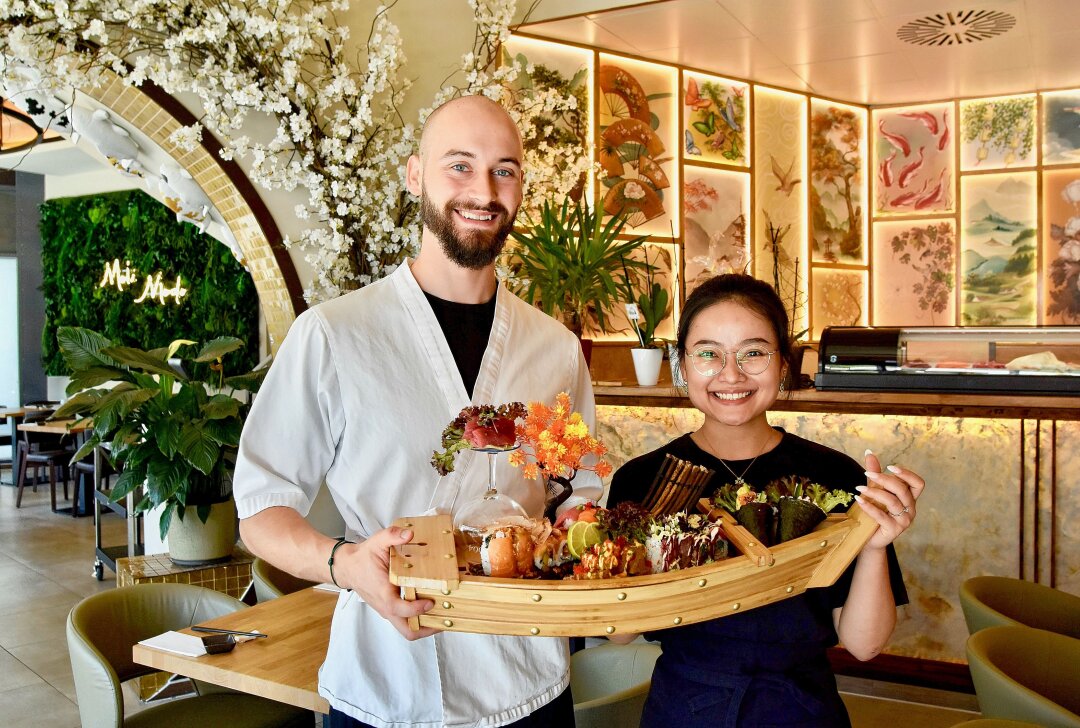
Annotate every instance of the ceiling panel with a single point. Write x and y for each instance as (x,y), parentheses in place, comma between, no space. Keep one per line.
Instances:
(697,23)
(847,49)
(761,16)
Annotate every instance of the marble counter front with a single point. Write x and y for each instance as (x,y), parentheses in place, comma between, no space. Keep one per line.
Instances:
(1002,497)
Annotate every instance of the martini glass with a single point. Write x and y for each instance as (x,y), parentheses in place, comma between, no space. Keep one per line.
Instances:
(493,508)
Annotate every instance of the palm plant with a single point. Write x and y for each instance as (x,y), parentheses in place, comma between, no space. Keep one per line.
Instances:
(571,258)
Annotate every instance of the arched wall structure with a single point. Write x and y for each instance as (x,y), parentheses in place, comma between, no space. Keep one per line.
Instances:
(157,115)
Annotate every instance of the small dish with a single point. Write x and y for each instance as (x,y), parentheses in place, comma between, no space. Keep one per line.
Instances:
(218,643)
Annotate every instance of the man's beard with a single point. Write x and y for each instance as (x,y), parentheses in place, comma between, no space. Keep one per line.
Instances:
(474,249)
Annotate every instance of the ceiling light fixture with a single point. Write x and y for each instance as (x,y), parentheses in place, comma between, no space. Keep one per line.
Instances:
(17,130)
(956,28)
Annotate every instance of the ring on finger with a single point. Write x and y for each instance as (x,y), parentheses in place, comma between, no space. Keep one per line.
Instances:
(897,515)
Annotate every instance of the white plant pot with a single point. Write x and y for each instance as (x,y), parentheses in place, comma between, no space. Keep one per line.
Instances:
(192,542)
(647,365)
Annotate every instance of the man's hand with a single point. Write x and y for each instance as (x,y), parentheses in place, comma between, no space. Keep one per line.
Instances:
(365,568)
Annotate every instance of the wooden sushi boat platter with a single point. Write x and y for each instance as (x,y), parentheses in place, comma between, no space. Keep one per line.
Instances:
(427,568)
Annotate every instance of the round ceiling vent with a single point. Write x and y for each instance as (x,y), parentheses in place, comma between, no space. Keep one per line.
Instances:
(962,26)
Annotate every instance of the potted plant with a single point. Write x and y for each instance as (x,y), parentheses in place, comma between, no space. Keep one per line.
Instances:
(645,311)
(571,258)
(171,425)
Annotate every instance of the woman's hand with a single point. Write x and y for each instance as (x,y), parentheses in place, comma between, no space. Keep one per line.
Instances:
(889,498)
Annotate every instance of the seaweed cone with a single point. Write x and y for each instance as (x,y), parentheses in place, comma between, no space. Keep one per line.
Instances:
(759,519)
(796,517)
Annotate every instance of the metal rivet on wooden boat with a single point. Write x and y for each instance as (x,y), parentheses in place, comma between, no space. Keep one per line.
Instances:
(447,623)
(735,606)
(824,544)
(449,556)
(446,592)
(536,597)
(621,596)
(447,531)
(677,620)
(702,582)
(406,525)
(534,631)
(790,589)
(408,565)
(447,605)
(609,629)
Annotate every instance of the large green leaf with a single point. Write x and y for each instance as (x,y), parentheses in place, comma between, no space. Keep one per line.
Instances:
(221,406)
(80,404)
(130,479)
(226,432)
(83,348)
(219,347)
(139,359)
(92,377)
(164,476)
(199,448)
(251,381)
(166,433)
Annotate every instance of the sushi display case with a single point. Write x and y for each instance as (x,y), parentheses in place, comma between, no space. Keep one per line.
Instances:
(951,359)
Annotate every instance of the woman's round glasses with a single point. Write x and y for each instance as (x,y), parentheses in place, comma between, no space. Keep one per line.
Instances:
(751,359)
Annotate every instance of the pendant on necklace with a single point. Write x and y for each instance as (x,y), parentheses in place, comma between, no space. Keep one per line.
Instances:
(739,481)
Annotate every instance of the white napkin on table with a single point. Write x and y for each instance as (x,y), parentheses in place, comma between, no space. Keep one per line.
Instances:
(178,643)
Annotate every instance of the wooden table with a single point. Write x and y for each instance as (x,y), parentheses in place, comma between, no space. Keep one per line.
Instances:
(68,427)
(282,667)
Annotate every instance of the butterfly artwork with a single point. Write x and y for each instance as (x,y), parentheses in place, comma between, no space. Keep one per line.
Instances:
(707,127)
(728,114)
(693,96)
(691,147)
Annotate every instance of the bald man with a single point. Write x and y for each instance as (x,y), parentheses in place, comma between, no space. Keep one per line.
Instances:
(358,397)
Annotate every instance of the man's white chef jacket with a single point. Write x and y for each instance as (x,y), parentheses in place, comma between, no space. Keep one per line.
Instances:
(359,395)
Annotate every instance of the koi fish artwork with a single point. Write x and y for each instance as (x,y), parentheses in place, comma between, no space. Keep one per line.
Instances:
(898,141)
(885,171)
(944,134)
(928,120)
(934,196)
(908,198)
(908,171)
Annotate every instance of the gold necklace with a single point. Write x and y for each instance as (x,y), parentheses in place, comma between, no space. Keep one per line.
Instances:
(739,478)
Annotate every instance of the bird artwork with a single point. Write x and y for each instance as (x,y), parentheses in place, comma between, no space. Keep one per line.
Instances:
(787,184)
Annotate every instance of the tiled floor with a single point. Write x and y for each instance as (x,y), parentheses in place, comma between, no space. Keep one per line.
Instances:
(46,563)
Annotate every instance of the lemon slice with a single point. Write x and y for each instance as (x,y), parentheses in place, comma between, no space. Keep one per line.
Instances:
(582,536)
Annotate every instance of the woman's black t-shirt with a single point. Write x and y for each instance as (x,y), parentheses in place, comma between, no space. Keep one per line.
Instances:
(765,666)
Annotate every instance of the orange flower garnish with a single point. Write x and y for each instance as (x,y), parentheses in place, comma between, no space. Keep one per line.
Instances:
(555,442)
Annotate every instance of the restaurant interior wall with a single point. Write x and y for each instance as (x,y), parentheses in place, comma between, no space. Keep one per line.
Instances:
(936,213)
(29,194)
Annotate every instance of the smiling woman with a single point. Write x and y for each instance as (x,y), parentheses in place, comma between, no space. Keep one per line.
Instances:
(734,350)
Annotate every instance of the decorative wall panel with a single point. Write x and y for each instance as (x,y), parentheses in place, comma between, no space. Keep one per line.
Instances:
(997,244)
(914,273)
(914,160)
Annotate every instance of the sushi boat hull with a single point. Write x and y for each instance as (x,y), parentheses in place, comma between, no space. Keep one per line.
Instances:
(427,568)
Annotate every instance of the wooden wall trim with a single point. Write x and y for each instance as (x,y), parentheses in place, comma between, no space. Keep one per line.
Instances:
(917,671)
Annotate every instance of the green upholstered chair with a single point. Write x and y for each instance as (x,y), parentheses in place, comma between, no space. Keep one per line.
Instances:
(271,582)
(1022,673)
(992,601)
(610,683)
(102,629)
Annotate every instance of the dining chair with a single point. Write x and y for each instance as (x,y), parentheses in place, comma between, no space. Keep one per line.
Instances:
(271,582)
(610,683)
(992,601)
(103,628)
(39,450)
(1028,674)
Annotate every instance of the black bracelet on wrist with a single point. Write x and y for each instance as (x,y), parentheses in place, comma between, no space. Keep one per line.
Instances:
(330,561)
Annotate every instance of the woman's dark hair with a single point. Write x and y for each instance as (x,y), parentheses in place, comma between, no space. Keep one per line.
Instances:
(747,291)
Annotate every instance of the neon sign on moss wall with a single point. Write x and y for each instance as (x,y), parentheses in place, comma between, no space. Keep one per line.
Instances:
(153,288)
(119,263)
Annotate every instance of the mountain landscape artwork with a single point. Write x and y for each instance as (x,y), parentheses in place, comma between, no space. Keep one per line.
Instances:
(998,250)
